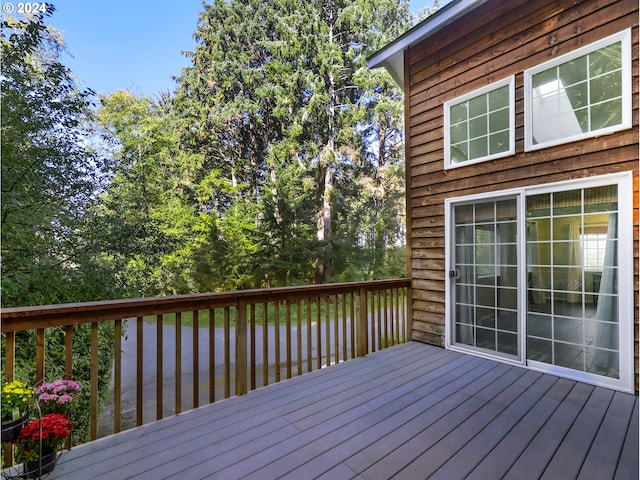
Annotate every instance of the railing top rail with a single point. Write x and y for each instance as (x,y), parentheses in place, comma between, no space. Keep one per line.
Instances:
(22,318)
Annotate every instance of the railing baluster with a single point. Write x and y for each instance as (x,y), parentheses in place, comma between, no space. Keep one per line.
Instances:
(40,353)
(344,328)
(299,334)
(378,308)
(265,345)
(212,355)
(277,339)
(178,379)
(327,329)
(396,316)
(352,318)
(362,321)
(227,355)
(336,331)
(10,356)
(93,415)
(387,331)
(68,362)
(309,336)
(196,358)
(159,366)
(288,335)
(117,377)
(139,369)
(405,323)
(318,333)
(252,322)
(68,351)
(9,375)
(241,348)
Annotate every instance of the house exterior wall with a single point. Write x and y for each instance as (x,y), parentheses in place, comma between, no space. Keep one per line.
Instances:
(500,38)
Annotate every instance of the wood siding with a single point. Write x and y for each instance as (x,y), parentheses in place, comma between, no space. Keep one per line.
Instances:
(497,40)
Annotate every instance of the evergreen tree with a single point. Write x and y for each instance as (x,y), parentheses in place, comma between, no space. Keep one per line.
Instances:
(278,101)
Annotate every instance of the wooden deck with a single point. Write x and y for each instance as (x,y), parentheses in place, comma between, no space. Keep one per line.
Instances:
(411,412)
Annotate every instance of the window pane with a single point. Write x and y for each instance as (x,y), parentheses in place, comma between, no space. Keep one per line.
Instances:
(485,212)
(478,127)
(478,148)
(565,203)
(498,143)
(601,199)
(459,153)
(478,106)
(578,95)
(544,78)
(499,98)
(573,71)
(606,87)
(538,205)
(606,59)
(458,133)
(458,113)
(499,120)
(606,114)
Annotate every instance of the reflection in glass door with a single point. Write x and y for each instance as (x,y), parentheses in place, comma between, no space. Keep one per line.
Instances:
(485,275)
(572,297)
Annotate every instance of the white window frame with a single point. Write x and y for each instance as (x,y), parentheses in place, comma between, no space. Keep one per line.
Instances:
(463,98)
(624,37)
(626,326)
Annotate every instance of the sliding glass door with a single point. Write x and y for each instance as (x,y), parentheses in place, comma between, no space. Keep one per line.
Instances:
(542,276)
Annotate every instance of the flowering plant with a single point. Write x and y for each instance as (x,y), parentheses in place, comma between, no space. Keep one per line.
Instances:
(57,396)
(55,428)
(15,400)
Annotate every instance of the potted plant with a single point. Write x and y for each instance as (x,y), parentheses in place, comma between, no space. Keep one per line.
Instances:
(39,441)
(58,396)
(16,397)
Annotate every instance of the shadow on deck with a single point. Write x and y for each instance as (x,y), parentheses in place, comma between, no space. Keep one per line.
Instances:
(412,411)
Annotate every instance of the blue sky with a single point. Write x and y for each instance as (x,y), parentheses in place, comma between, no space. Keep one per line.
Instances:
(131,44)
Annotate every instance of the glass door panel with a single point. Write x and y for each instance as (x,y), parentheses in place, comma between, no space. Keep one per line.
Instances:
(485,272)
(572,274)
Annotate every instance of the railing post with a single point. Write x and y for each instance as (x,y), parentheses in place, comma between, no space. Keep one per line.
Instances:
(241,348)
(362,324)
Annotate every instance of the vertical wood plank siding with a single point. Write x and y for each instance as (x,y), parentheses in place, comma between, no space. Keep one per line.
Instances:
(503,38)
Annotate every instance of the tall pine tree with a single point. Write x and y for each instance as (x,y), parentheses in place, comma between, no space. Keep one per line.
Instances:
(279,102)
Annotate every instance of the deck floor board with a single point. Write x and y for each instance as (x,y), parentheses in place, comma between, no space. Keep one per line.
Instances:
(412,411)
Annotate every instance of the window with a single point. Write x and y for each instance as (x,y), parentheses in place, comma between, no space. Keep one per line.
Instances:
(594,246)
(479,126)
(581,94)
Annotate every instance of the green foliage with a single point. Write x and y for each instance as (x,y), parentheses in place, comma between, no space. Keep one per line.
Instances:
(303,141)
(49,172)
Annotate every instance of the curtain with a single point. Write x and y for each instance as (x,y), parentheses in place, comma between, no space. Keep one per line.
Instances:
(534,275)
(607,310)
(574,277)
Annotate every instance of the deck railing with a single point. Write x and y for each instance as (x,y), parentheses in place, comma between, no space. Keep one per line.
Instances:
(176,353)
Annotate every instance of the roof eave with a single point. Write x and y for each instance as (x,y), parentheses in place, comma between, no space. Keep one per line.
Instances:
(391,57)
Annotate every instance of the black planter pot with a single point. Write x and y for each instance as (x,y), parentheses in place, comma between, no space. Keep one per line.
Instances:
(40,467)
(10,430)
